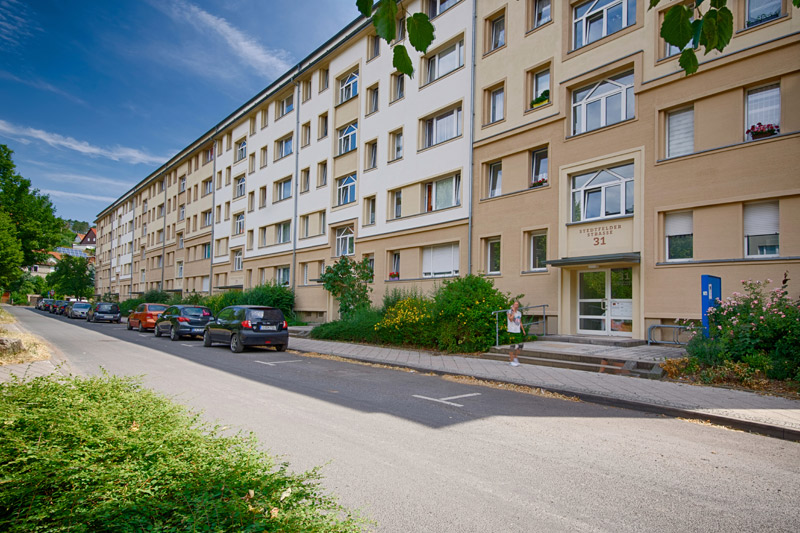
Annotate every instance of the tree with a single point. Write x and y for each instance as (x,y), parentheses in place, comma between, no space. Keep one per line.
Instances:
(348,281)
(10,252)
(711,28)
(32,215)
(73,276)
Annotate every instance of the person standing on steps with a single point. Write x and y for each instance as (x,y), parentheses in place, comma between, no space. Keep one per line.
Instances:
(517,332)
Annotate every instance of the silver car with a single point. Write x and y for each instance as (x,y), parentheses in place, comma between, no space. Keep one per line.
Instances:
(78,310)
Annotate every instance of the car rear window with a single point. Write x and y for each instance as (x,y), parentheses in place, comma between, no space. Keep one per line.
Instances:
(108,308)
(155,307)
(196,311)
(264,314)
(81,306)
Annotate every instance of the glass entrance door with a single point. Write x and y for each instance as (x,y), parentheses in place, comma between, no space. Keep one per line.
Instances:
(605,302)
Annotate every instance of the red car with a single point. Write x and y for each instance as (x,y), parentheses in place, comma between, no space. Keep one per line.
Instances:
(144,317)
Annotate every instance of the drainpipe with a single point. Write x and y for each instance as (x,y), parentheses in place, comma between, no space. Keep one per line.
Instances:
(213,209)
(133,241)
(471,137)
(164,232)
(292,271)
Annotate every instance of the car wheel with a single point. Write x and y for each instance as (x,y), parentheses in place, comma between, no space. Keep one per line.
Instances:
(118,321)
(236,344)
(207,338)
(156,331)
(280,347)
(173,334)
(141,327)
(128,325)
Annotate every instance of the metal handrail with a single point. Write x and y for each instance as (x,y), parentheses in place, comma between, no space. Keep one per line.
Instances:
(676,331)
(497,320)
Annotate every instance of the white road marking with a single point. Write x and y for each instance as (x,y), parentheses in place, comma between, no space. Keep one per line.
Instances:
(445,400)
(273,363)
(189,345)
(143,335)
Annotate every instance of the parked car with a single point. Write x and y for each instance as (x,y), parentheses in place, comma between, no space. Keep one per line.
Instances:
(104,311)
(182,320)
(144,317)
(44,304)
(54,306)
(248,325)
(78,309)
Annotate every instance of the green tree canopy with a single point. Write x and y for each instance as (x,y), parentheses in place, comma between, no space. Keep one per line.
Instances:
(73,276)
(10,252)
(348,281)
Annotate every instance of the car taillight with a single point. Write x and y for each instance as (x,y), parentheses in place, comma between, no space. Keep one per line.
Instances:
(284,325)
(183,319)
(246,324)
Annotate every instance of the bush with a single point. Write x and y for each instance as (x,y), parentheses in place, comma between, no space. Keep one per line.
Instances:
(358,326)
(127,307)
(104,454)
(391,298)
(409,321)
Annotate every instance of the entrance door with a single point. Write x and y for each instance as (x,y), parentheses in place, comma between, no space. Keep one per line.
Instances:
(605,302)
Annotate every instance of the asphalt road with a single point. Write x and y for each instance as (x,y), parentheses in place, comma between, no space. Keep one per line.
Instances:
(417,453)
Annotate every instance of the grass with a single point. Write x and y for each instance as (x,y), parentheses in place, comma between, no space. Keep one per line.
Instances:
(34,349)
(105,454)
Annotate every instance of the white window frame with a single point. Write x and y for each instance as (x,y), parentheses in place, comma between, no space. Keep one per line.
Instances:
(762,219)
(533,248)
(208,186)
(498,32)
(770,112)
(283,275)
(540,86)
(346,189)
(182,184)
(678,224)
(437,7)
(752,18)
(399,86)
(283,189)
(285,147)
(497,105)
(371,208)
(283,232)
(541,12)
(286,105)
(208,218)
(434,62)
(238,261)
(539,158)
(580,24)
(582,191)
(397,204)
(372,155)
(397,144)
(181,212)
(373,100)
(584,98)
(429,254)
(240,187)
(680,132)
(345,241)
(434,125)
(491,246)
(348,137)
(322,174)
(495,179)
(241,150)
(238,224)
(207,250)
(431,194)
(348,87)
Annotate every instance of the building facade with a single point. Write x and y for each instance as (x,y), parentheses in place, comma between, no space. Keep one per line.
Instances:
(556,147)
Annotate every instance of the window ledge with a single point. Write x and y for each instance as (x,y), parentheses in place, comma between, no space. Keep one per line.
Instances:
(428,84)
(495,123)
(370,169)
(285,114)
(521,191)
(345,101)
(425,149)
(337,156)
(279,200)
(538,107)
(755,142)
(539,27)
(493,50)
(759,25)
(535,271)
(323,137)
(753,259)
(397,100)
(371,113)
(601,129)
(594,220)
(282,157)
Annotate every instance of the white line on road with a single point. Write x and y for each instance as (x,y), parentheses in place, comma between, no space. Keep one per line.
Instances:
(273,363)
(143,335)
(189,345)
(445,400)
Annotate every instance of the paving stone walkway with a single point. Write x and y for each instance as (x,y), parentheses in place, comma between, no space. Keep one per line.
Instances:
(746,410)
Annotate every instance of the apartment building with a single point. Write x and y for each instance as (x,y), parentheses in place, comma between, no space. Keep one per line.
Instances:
(607,182)
(340,156)
(590,175)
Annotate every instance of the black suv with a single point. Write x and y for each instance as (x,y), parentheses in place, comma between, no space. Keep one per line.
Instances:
(248,325)
(104,311)
(180,320)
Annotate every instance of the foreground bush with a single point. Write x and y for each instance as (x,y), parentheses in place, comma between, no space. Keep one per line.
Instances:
(358,326)
(104,454)
(408,321)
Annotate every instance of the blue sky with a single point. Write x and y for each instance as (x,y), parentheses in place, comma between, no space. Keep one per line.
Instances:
(96,94)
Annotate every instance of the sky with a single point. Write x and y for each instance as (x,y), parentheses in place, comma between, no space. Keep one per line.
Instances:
(96,94)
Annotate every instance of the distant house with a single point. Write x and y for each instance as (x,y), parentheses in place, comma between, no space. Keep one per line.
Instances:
(43,268)
(88,240)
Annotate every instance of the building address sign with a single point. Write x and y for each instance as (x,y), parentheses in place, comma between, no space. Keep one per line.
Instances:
(598,234)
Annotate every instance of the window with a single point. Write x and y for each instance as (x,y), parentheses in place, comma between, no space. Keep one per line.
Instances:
(672,50)
(322,226)
(324,79)
(180,241)
(680,132)
(443,127)
(395,265)
(540,93)
(495,179)
(208,219)
(182,184)
(238,224)
(437,7)
(347,138)
(678,231)
(497,29)
(283,189)
(322,174)
(207,187)
(207,250)
(603,103)
(443,193)
(397,204)
(763,112)
(373,47)
(372,99)
(323,126)
(305,134)
(283,233)
(398,86)
(263,161)
(348,87)
(496,98)
(493,256)
(306,90)
(539,168)
(241,150)
(445,61)
(761,229)
(540,13)
(346,189)
(284,147)
(538,251)
(345,241)
(603,193)
(401,29)
(370,211)
(237,260)
(598,18)
(438,261)
(262,196)
(286,105)
(372,155)
(396,143)
(208,154)
(305,179)
(759,11)
(181,212)
(239,187)
(282,275)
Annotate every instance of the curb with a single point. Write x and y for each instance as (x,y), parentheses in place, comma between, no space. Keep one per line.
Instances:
(675,412)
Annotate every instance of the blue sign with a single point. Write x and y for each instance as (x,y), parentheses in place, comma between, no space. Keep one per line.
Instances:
(710,294)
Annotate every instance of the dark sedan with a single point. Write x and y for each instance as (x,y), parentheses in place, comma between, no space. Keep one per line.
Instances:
(248,325)
(53,308)
(182,320)
(104,311)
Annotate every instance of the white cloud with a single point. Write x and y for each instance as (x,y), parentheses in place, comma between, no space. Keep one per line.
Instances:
(117,153)
(77,195)
(17,24)
(108,182)
(42,85)
(249,51)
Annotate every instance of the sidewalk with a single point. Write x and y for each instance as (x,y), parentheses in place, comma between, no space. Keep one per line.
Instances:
(768,415)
